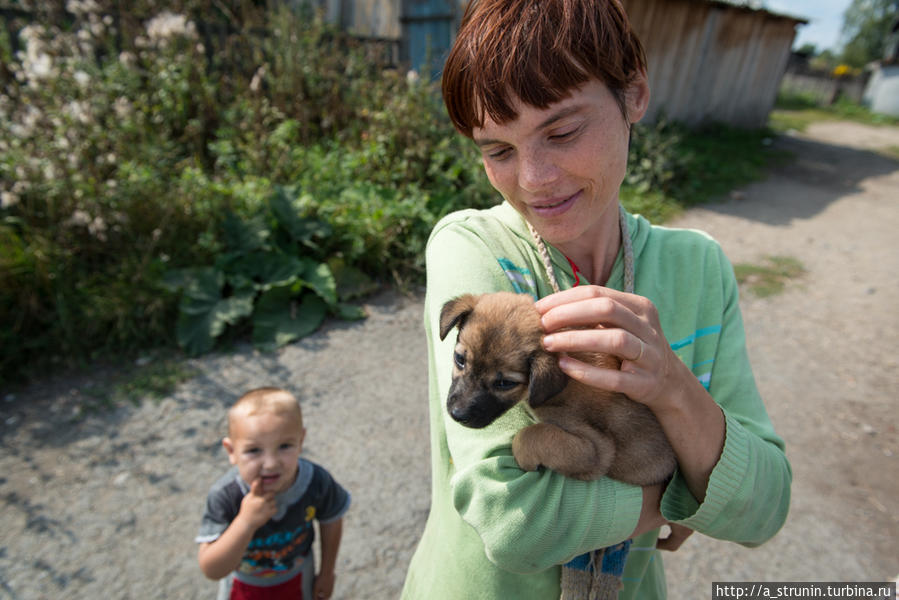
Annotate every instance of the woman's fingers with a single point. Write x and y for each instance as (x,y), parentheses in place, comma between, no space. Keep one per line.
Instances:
(592,306)
(633,383)
(581,292)
(618,342)
(602,320)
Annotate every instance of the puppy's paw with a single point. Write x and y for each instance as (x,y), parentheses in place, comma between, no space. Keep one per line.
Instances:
(525,450)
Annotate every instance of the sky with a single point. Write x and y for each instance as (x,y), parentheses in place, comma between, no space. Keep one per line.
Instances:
(825,19)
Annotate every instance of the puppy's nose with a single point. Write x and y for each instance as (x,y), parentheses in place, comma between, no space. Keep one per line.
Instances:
(458,414)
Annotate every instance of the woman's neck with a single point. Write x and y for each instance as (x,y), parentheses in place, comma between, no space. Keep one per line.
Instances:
(595,252)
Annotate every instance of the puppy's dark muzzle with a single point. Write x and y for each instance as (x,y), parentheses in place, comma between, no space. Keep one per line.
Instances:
(476,410)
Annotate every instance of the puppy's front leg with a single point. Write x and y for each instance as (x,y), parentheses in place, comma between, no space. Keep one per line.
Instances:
(581,454)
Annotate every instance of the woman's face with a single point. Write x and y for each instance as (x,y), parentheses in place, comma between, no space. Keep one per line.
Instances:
(561,167)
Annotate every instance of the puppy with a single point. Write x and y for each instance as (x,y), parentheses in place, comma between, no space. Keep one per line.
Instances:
(582,432)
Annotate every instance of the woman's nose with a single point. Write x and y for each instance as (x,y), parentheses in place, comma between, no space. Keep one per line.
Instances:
(536,171)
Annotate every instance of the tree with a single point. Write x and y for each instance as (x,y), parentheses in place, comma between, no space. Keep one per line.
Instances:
(866,25)
(808,49)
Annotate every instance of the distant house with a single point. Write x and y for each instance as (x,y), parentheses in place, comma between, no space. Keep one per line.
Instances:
(708,60)
(882,92)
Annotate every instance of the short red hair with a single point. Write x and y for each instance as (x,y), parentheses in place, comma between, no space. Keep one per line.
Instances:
(536,51)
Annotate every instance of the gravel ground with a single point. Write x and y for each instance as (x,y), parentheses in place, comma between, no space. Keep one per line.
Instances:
(106,505)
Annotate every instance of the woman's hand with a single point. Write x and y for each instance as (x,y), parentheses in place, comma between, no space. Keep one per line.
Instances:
(598,319)
(673,541)
(628,326)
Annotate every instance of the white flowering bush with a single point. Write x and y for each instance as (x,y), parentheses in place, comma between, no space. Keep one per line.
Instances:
(130,136)
(90,141)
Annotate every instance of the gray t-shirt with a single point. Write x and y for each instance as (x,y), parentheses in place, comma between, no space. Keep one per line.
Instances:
(279,548)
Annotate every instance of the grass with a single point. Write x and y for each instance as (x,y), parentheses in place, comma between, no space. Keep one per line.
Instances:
(726,158)
(698,166)
(798,111)
(151,380)
(770,277)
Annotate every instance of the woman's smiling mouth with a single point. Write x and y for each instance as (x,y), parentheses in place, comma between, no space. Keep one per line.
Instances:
(556,206)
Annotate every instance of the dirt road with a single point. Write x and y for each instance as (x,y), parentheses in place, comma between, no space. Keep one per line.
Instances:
(106,506)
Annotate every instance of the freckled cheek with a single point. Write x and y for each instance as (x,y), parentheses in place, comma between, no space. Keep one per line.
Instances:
(498,179)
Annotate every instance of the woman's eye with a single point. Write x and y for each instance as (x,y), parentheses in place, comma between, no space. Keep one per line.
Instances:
(459,360)
(504,384)
(563,136)
(498,154)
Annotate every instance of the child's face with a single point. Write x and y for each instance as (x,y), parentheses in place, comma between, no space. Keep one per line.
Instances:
(266,446)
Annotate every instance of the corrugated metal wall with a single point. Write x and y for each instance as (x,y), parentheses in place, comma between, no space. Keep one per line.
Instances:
(711,61)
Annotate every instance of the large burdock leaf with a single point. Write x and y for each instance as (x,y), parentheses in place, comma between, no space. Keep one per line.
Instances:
(269,269)
(350,312)
(302,229)
(318,276)
(351,282)
(204,313)
(244,235)
(280,318)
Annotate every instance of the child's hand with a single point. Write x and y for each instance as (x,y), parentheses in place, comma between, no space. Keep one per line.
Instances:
(257,507)
(324,586)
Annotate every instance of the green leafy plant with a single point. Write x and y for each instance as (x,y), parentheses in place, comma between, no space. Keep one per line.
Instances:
(265,275)
(656,160)
(672,167)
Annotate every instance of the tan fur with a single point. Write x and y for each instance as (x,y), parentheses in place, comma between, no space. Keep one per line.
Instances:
(582,432)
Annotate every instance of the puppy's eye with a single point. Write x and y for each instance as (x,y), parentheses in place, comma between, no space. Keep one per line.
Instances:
(504,385)
(459,359)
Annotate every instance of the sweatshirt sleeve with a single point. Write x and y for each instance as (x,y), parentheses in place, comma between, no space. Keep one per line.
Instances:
(748,495)
(527,521)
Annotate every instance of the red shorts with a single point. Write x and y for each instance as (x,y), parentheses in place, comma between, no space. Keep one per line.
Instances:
(289,590)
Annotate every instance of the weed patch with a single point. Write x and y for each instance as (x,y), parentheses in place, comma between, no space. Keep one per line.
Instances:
(673,167)
(797,112)
(132,385)
(770,277)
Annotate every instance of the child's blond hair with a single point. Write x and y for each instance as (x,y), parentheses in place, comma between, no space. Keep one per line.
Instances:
(265,399)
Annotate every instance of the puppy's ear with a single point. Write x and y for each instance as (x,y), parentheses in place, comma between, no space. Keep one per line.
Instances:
(455,312)
(546,379)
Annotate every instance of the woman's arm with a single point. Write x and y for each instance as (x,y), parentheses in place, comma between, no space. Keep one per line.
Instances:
(723,438)
(528,521)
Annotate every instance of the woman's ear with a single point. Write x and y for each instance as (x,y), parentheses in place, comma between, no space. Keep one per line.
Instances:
(637,97)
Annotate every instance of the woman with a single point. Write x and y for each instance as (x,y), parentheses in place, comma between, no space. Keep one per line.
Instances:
(548,90)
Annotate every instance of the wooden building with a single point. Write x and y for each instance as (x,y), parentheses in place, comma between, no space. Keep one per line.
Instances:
(712,61)
(708,60)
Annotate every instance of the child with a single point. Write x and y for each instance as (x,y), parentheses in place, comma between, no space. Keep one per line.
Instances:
(256,534)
